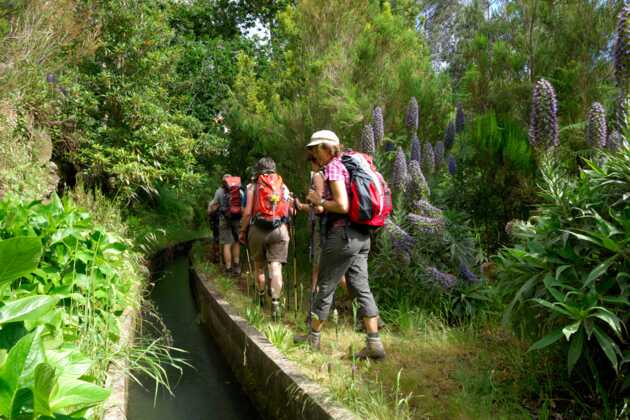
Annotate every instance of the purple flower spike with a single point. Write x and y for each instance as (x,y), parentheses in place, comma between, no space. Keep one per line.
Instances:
(466,274)
(411,119)
(543,127)
(449,135)
(460,119)
(452,165)
(367,140)
(439,154)
(428,159)
(596,126)
(424,225)
(379,126)
(415,148)
(399,177)
(443,280)
(622,49)
(417,186)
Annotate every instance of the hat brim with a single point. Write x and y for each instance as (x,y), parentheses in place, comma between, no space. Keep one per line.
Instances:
(315,142)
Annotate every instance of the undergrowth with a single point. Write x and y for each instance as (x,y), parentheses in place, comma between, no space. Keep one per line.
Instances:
(433,369)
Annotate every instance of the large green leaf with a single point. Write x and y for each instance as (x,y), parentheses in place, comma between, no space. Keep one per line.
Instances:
(547,340)
(608,346)
(575,350)
(18,257)
(18,370)
(27,309)
(43,386)
(73,394)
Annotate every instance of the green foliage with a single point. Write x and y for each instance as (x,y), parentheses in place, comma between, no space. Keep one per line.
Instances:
(63,283)
(568,277)
(495,179)
(318,79)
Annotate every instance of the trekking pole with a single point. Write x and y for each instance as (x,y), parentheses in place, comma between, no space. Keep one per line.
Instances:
(294,265)
(251,273)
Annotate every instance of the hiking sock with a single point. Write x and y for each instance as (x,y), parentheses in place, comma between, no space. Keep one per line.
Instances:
(373,335)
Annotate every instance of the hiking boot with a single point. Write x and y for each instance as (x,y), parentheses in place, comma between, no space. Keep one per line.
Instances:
(259,298)
(236,270)
(373,349)
(227,271)
(275,310)
(312,339)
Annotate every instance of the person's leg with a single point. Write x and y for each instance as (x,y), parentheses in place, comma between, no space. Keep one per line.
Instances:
(227,256)
(275,273)
(236,258)
(335,259)
(358,282)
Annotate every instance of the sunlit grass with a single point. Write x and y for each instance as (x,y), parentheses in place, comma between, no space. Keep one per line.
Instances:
(432,369)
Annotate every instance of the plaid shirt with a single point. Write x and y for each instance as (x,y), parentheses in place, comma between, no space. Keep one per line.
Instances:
(335,171)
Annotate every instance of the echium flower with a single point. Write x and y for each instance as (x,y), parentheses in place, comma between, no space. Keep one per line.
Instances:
(411,119)
(399,175)
(466,274)
(415,148)
(460,119)
(378,125)
(424,208)
(543,127)
(417,186)
(620,115)
(452,165)
(449,135)
(596,126)
(616,141)
(443,280)
(424,225)
(401,240)
(428,159)
(367,140)
(439,153)
(622,48)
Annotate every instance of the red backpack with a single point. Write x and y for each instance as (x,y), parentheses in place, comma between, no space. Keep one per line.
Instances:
(271,204)
(232,205)
(370,197)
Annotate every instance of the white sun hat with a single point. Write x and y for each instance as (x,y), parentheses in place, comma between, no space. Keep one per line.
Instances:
(323,136)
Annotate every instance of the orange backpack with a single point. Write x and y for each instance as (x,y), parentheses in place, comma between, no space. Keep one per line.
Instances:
(271,201)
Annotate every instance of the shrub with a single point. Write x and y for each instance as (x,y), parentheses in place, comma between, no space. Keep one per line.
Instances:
(568,277)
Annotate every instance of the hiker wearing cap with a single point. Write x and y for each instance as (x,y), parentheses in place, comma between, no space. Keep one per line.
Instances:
(264,229)
(345,248)
(228,202)
(315,224)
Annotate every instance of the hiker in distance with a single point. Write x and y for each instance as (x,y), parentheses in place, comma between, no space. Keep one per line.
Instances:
(264,229)
(229,200)
(346,241)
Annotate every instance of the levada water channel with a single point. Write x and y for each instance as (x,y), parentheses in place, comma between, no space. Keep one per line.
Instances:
(208,389)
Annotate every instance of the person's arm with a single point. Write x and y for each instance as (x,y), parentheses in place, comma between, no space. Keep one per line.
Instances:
(247,215)
(318,185)
(339,203)
(215,203)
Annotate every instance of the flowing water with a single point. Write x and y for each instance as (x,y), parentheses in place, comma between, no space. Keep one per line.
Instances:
(207,391)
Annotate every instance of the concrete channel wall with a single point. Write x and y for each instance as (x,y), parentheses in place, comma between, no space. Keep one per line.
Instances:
(276,386)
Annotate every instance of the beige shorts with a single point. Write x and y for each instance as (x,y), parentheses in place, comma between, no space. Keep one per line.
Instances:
(268,246)
(228,231)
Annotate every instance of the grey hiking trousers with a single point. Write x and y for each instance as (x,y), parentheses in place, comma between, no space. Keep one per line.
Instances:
(344,251)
